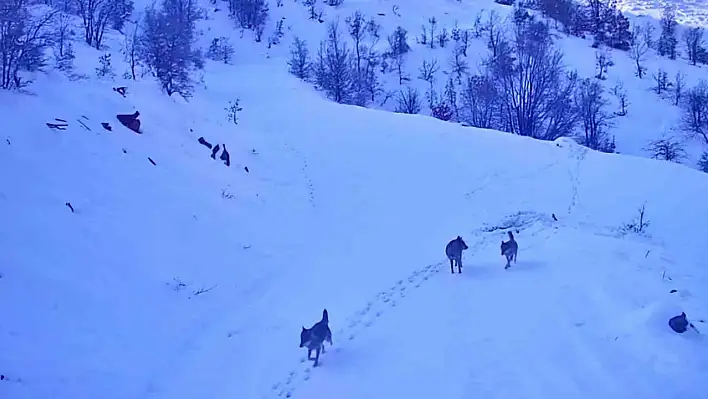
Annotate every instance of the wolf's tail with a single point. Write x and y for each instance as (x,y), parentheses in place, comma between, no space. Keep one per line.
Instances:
(325,316)
(511,236)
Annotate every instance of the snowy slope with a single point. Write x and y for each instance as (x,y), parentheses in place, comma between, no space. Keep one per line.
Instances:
(344,208)
(649,117)
(341,203)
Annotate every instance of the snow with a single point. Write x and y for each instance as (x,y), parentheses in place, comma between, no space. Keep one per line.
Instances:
(342,208)
(688,12)
(650,116)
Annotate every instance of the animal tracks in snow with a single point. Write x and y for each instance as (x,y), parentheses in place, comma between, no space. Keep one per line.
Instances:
(388,299)
(578,153)
(305,173)
(355,324)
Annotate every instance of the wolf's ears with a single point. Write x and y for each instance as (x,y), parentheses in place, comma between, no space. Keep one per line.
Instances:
(303,328)
(459,238)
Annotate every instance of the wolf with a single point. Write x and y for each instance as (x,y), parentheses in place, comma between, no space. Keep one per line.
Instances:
(314,337)
(509,249)
(453,250)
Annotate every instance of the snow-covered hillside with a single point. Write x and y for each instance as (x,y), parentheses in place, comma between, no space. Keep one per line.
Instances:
(649,116)
(136,266)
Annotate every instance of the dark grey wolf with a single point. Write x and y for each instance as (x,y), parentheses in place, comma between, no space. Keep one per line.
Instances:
(314,337)
(509,249)
(453,250)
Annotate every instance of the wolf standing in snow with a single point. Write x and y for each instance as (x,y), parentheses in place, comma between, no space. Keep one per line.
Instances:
(314,337)
(453,250)
(509,249)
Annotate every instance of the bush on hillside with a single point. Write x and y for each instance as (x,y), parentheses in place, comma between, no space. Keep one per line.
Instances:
(24,38)
(220,50)
(167,45)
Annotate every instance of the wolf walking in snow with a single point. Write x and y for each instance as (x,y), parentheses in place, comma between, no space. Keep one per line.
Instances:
(314,337)
(509,249)
(453,250)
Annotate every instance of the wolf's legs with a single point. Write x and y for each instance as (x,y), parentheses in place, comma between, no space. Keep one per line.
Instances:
(323,350)
(459,266)
(515,253)
(309,354)
(317,357)
(452,270)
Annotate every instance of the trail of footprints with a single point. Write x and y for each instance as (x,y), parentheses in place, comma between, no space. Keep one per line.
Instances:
(366,316)
(574,173)
(305,173)
(355,324)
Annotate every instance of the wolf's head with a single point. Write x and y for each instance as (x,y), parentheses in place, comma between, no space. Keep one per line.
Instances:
(304,337)
(504,246)
(462,243)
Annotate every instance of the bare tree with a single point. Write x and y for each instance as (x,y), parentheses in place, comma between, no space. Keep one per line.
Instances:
(603,60)
(667,149)
(427,73)
(443,38)
(365,60)
(370,84)
(595,120)
(130,50)
(398,42)
(220,49)
(356,24)
(561,115)
(458,65)
(661,78)
(399,64)
(398,48)
(461,38)
(529,72)
(695,111)
(433,25)
(23,39)
(408,101)
(648,34)
(333,69)
(693,38)
(98,14)
(480,102)
(63,44)
(621,94)
(679,84)
(638,50)
(423,39)
(299,59)
(493,31)
(167,44)
(315,14)
(450,98)
(250,14)
(477,26)
(63,33)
